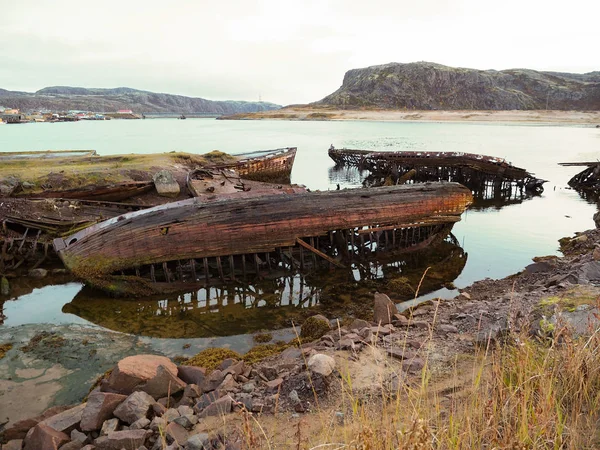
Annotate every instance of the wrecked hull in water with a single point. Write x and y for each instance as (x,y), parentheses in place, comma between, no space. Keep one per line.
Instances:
(486,176)
(271,166)
(177,243)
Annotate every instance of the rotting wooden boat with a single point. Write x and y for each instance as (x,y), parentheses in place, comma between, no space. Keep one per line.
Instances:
(478,172)
(45,154)
(586,182)
(113,192)
(186,238)
(273,166)
(227,182)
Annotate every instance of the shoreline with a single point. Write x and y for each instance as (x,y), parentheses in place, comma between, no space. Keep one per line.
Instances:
(540,117)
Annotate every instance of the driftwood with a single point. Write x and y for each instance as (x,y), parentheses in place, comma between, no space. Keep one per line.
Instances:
(188,232)
(485,175)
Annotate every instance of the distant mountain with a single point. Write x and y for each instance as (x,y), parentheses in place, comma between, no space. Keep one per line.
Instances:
(425,85)
(65,98)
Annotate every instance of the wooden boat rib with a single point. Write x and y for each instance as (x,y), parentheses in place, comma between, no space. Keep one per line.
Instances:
(194,229)
(274,166)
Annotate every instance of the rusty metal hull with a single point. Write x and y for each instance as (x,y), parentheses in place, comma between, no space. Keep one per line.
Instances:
(274,166)
(194,229)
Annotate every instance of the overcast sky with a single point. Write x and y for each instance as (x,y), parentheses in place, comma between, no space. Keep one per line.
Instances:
(285,51)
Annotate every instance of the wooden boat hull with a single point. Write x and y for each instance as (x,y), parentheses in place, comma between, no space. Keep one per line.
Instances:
(272,166)
(107,193)
(194,229)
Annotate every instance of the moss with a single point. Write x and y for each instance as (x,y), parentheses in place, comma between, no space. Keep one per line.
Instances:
(400,286)
(313,328)
(262,338)
(4,348)
(573,298)
(546,327)
(210,358)
(45,339)
(260,352)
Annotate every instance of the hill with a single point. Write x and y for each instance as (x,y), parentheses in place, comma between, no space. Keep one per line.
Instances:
(65,98)
(430,86)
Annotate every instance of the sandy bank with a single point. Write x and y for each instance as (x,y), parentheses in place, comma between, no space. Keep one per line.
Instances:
(591,118)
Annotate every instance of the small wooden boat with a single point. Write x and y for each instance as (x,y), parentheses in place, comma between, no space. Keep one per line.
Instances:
(109,192)
(189,232)
(273,166)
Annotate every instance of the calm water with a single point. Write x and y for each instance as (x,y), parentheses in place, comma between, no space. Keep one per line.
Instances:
(498,240)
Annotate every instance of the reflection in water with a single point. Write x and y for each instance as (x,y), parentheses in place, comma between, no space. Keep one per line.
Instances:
(275,302)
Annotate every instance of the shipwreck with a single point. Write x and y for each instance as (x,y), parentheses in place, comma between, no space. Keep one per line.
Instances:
(586,182)
(170,246)
(486,176)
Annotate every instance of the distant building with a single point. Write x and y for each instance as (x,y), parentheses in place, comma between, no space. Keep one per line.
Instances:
(12,118)
(125,111)
(11,111)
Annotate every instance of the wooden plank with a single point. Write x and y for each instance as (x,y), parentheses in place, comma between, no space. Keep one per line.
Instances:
(307,246)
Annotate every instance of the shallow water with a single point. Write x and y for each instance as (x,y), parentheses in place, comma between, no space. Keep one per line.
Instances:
(499,240)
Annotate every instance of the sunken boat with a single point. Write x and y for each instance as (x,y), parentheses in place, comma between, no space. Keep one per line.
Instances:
(586,182)
(486,176)
(178,243)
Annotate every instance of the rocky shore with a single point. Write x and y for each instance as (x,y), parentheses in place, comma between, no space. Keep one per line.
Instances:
(148,401)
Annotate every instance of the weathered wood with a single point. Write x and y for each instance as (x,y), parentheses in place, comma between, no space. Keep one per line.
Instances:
(259,225)
(317,252)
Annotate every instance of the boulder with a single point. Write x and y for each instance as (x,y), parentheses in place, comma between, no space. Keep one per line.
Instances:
(321,364)
(214,380)
(42,437)
(136,406)
(192,375)
(163,383)
(117,440)
(218,408)
(135,370)
(65,421)
(383,309)
(165,184)
(19,429)
(359,324)
(100,407)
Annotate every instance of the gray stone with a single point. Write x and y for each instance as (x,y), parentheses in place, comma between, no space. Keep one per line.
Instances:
(38,273)
(399,353)
(192,375)
(383,309)
(158,423)
(139,424)
(73,445)
(321,364)
(187,421)
(100,407)
(171,414)
(213,381)
(229,384)
(66,420)
(78,436)
(218,408)
(165,184)
(136,406)
(293,396)
(109,426)
(177,433)
(198,441)
(447,328)
(413,365)
(185,410)
(273,385)
(117,440)
(163,383)
(206,400)
(359,324)
(14,444)
(248,388)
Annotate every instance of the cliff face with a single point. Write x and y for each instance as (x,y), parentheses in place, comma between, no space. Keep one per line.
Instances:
(64,98)
(426,85)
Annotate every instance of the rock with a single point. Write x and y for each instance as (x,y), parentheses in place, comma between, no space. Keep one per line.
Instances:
(165,184)
(383,309)
(158,409)
(14,444)
(464,296)
(447,328)
(78,436)
(139,424)
(187,421)
(229,384)
(236,369)
(177,433)
(206,399)
(38,273)
(132,371)
(136,406)
(273,385)
(291,353)
(42,437)
(359,324)
(214,380)
(248,388)
(158,423)
(117,440)
(321,364)
(399,353)
(413,364)
(314,327)
(192,375)
(346,344)
(539,267)
(185,410)
(269,372)
(109,426)
(4,287)
(399,320)
(293,396)
(66,420)
(163,383)
(99,407)
(198,441)
(73,445)
(88,447)
(218,408)
(589,272)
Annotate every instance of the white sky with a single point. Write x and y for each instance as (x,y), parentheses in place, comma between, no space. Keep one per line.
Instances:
(286,51)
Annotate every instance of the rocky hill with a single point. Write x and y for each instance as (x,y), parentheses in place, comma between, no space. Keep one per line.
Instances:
(65,98)
(427,86)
